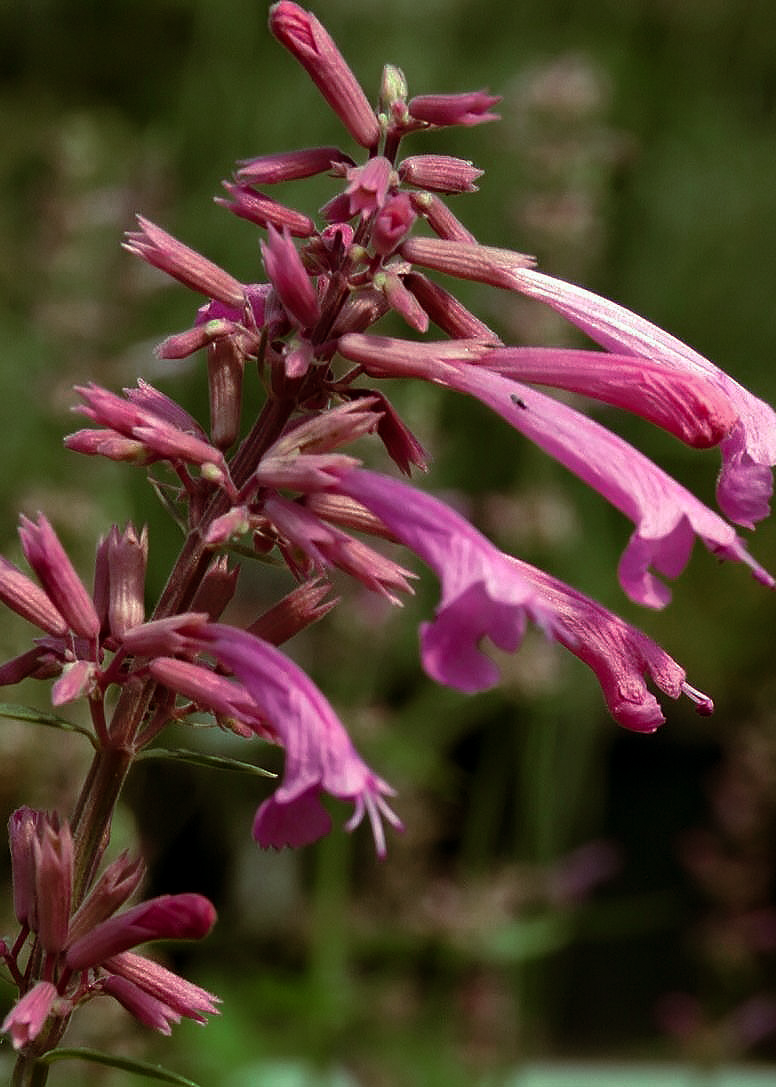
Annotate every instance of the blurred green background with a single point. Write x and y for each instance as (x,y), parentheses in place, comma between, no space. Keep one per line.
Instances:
(564,889)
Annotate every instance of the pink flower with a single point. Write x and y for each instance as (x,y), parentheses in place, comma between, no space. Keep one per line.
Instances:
(745,483)
(392,224)
(27,599)
(262,210)
(483,593)
(368,186)
(467,260)
(177,994)
(689,406)
(319,753)
(488,594)
(25,1020)
(666,515)
(619,654)
(324,545)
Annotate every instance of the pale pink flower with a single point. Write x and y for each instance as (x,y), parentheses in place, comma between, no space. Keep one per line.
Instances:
(368,186)
(25,1020)
(291,165)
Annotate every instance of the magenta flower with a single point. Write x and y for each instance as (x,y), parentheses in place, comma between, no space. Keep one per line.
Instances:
(319,753)
(619,654)
(666,515)
(745,483)
(483,593)
(689,406)
(488,594)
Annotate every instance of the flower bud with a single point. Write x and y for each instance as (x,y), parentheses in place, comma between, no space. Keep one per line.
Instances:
(47,557)
(262,210)
(440,173)
(454,109)
(307,40)
(190,268)
(291,165)
(289,278)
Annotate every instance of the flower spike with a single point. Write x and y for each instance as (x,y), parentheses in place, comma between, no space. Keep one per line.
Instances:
(307,40)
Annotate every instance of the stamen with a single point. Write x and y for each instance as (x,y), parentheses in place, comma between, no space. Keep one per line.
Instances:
(703,703)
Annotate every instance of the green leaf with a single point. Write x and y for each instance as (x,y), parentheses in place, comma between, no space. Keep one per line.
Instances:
(42,717)
(142,1068)
(200,758)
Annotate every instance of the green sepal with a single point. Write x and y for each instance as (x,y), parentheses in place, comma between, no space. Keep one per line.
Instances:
(201,758)
(126,1064)
(43,717)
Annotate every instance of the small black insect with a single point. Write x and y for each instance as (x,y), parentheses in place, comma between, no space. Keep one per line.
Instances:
(518,402)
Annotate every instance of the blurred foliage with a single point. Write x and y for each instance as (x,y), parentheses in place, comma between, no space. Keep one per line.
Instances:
(637,156)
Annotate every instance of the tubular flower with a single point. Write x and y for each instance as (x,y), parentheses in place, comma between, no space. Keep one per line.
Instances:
(319,753)
(749,451)
(487,593)
(666,515)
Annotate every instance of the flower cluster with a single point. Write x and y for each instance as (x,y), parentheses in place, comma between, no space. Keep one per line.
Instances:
(288,487)
(85,952)
(283,484)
